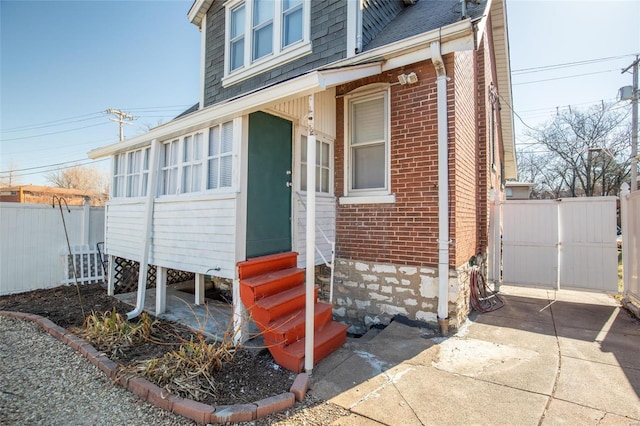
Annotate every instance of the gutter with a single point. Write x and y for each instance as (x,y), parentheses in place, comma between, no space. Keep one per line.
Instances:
(443,189)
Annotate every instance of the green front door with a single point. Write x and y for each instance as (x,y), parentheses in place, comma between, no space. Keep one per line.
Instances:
(269,190)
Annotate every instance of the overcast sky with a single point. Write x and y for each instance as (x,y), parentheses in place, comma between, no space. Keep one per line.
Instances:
(63,63)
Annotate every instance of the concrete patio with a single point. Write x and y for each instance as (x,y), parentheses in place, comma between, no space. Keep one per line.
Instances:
(546,357)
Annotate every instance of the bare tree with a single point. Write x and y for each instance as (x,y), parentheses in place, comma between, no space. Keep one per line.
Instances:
(8,178)
(83,178)
(587,152)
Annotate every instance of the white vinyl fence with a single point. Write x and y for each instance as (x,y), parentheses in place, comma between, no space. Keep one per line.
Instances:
(560,243)
(33,247)
(630,213)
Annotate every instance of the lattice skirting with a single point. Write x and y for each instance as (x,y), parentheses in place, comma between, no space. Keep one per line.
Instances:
(127,271)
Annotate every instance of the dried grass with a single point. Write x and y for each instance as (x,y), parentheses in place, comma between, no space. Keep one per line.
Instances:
(111,331)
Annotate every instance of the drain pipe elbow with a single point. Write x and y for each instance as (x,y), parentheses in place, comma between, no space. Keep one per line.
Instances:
(147,232)
(443,185)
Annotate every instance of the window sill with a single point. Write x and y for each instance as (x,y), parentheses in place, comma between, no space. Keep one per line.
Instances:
(267,64)
(371,199)
(208,195)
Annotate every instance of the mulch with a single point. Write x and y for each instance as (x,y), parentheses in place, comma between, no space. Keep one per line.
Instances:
(250,376)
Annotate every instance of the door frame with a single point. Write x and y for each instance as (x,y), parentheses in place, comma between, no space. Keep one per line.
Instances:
(245,173)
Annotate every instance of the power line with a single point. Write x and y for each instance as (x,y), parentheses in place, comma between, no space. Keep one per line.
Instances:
(563,78)
(515,113)
(44,126)
(29,126)
(88,162)
(567,64)
(43,167)
(52,133)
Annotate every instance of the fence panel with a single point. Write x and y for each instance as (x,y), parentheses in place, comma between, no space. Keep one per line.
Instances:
(529,242)
(33,246)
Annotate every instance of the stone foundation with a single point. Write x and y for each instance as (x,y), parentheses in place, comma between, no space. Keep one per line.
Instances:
(368,294)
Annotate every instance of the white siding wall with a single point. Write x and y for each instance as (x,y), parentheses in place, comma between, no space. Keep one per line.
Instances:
(124,228)
(325,112)
(188,234)
(195,235)
(33,243)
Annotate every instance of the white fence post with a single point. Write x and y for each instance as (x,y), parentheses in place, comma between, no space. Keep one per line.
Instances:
(624,224)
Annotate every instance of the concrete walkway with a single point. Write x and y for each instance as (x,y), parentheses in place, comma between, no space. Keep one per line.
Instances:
(546,357)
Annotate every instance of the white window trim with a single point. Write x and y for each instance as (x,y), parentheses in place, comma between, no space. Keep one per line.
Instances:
(299,134)
(117,190)
(367,195)
(232,154)
(279,55)
(374,199)
(191,163)
(121,192)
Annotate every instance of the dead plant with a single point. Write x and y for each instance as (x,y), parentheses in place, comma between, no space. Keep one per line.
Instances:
(110,331)
(189,370)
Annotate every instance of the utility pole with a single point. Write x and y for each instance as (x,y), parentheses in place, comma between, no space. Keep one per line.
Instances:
(121,117)
(634,124)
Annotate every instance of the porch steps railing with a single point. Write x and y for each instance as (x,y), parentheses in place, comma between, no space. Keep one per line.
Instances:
(272,288)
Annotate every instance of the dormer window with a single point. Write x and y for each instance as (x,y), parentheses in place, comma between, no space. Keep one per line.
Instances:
(264,34)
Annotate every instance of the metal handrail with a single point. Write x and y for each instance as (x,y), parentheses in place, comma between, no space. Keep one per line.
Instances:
(330,265)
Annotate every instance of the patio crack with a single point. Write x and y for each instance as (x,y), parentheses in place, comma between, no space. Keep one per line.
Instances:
(557,378)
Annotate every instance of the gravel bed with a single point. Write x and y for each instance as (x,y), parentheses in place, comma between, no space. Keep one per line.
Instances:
(45,382)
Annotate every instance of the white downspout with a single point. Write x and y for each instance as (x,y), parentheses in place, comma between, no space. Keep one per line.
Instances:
(443,189)
(311,242)
(148,220)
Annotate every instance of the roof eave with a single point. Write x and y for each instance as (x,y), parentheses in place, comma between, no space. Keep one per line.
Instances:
(198,10)
(300,86)
(503,66)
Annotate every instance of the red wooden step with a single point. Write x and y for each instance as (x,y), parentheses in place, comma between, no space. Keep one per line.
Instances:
(290,328)
(260,286)
(273,307)
(326,340)
(265,264)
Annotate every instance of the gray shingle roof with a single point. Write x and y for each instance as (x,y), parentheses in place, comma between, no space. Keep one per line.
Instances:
(422,17)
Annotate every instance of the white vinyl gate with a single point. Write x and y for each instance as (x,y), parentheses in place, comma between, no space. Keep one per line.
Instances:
(563,243)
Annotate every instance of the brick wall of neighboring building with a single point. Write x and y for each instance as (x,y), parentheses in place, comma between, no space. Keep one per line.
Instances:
(32,194)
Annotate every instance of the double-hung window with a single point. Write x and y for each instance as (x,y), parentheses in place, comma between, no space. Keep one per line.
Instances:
(323,165)
(192,163)
(119,171)
(263,34)
(169,155)
(367,157)
(133,173)
(220,156)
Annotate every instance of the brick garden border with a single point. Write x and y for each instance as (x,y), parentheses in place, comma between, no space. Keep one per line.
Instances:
(150,392)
